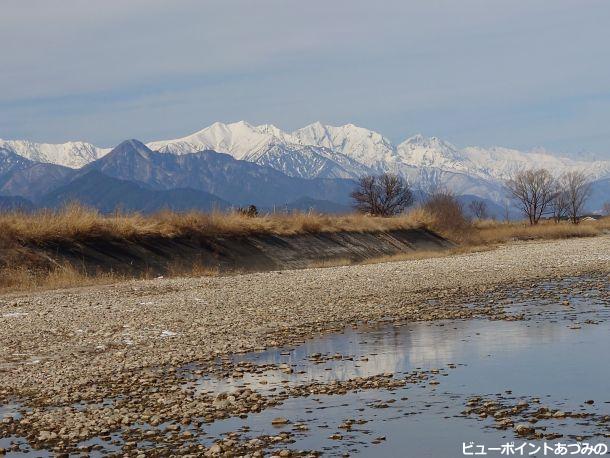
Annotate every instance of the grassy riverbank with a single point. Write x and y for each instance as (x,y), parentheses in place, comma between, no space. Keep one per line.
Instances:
(75,225)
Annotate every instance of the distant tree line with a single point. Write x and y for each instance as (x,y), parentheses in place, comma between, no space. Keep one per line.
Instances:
(535,192)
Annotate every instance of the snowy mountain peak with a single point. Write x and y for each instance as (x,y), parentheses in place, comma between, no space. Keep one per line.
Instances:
(363,145)
(421,141)
(417,138)
(275,132)
(238,139)
(431,152)
(71,154)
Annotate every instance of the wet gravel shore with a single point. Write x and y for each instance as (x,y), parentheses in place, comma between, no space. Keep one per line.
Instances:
(127,342)
(73,336)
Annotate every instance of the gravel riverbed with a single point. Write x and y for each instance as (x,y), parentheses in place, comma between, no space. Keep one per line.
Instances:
(71,336)
(125,341)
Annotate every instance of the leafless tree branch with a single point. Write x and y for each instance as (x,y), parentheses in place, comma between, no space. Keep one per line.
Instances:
(383,195)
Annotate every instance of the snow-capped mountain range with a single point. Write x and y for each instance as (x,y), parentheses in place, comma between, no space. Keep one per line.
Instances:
(268,146)
(349,151)
(70,154)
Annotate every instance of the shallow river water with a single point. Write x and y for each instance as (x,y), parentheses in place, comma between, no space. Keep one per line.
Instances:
(557,357)
(554,355)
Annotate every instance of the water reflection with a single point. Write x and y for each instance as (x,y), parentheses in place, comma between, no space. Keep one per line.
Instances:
(369,351)
(544,356)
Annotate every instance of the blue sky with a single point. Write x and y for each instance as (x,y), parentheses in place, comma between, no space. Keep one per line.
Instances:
(520,73)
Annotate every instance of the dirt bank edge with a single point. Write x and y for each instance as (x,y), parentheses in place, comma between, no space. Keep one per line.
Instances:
(250,253)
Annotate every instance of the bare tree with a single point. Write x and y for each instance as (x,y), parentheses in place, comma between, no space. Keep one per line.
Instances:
(533,190)
(606,208)
(560,204)
(478,208)
(383,195)
(577,187)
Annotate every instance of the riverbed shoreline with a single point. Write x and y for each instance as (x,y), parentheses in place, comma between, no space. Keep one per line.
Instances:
(71,337)
(65,353)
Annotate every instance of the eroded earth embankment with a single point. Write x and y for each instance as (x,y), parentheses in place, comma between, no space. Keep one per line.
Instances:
(160,255)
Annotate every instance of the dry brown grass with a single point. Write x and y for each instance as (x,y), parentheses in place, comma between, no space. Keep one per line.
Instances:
(22,278)
(76,223)
(324,263)
(196,269)
(490,232)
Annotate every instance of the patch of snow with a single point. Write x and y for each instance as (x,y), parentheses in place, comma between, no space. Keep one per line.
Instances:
(14,315)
